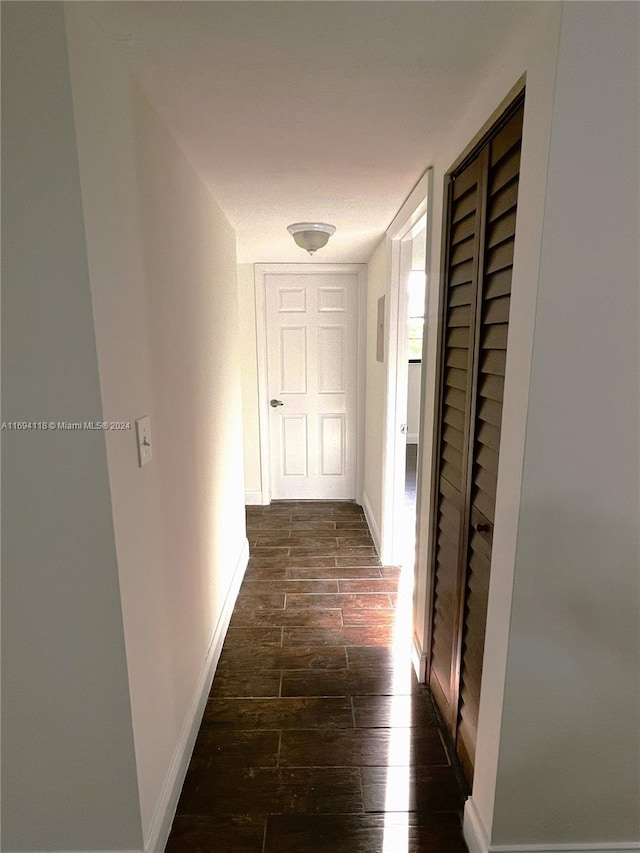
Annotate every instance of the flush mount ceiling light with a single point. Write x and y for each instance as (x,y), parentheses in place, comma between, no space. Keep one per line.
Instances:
(311,235)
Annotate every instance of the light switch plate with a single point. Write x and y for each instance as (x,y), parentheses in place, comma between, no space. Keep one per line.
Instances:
(143,437)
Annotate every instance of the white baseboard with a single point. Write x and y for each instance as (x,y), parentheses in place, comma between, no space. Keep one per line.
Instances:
(158,832)
(476,836)
(253,499)
(419,659)
(371,521)
(473,828)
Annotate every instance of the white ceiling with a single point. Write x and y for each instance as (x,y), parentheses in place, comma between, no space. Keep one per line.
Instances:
(325,111)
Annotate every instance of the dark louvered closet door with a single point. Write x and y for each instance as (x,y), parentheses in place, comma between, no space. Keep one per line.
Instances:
(491,345)
(458,321)
(480,234)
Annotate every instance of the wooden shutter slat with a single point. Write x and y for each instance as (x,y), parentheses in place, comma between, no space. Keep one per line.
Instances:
(457,357)
(463,252)
(498,284)
(463,229)
(495,337)
(493,361)
(497,310)
(461,295)
(492,387)
(479,578)
(489,436)
(444,627)
(462,274)
(469,692)
(481,545)
(490,412)
(455,399)
(452,474)
(510,135)
(500,257)
(464,206)
(454,418)
(502,229)
(458,338)
(454,437)
(460,316)
(455,378)
(503,200)
(452,495)
(444,557)
(474,648)
(485,481)
(450,510)
(487,459)
(485,503)
(448,528)
(453,457)
(465,181)
(505,171)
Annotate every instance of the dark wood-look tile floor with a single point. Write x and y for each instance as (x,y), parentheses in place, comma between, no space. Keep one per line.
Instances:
(317,737)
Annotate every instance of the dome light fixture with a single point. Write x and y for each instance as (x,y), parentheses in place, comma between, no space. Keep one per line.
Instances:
(311,235)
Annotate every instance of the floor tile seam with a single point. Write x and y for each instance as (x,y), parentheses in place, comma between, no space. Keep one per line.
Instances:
(354,696)
(360,780)
(313,767)
(367,731)
(356,766)
(236,729)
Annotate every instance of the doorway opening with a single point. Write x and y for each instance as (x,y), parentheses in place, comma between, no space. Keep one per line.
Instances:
(408,234)
(415,284)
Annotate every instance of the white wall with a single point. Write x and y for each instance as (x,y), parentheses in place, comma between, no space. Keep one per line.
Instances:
(378,273)
(569,767)
(249,368)
(68,766)
(164,285)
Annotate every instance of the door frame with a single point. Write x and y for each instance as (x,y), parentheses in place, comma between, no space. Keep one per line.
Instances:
(416,206)
(260,283)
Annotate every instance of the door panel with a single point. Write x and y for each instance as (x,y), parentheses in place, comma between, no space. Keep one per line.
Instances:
(480,232)
(292,361)
(332,357)
(462,269)
(491,343)
(294,448)
(312,334)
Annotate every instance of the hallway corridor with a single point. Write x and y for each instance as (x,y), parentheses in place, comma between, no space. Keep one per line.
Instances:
(317,737)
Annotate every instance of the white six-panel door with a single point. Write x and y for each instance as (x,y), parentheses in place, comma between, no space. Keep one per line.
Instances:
(312,365)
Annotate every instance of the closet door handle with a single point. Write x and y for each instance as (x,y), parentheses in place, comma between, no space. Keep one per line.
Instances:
(481,527)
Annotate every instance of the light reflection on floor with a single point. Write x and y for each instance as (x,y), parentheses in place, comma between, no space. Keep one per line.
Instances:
(398,783)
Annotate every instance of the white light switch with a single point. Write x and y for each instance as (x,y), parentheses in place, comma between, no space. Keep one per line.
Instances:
(143,436)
